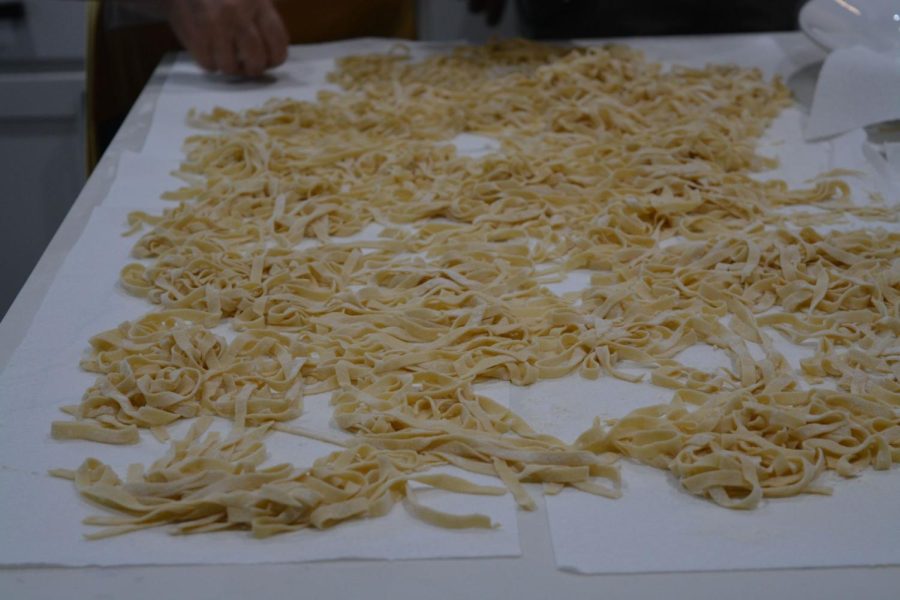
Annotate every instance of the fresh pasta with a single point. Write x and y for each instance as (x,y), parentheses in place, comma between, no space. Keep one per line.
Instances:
(606,163)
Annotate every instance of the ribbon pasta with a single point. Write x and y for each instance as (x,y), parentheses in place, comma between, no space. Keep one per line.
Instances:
(608,163)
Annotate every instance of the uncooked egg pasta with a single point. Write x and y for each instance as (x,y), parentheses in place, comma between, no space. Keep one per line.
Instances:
(607,162)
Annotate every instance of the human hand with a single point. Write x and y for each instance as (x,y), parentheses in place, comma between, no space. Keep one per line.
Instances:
(235,37)
(493,9)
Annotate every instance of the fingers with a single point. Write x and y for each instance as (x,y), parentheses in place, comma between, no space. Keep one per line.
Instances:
(192,36)
(252,53)
(273,33)
(224,50)
(225,22)
(202,52)
(235,37)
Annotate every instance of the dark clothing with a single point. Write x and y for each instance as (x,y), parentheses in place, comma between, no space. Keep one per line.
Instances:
(561,19)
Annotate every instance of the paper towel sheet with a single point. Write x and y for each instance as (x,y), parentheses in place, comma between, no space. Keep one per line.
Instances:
(40,516)
(187,87)
(582,526)
(656,526)
(301,77)
(141,180)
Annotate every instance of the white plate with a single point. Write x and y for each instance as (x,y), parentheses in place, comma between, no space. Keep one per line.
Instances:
(835,24)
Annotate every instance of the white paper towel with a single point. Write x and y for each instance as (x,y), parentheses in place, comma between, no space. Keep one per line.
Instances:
(656,526)
(594,535)
(857,87)
(588,534)
(304,74)
(141,180)
(40,516)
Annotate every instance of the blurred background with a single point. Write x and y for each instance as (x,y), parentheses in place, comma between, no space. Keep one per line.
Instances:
(42,166)
(42,116)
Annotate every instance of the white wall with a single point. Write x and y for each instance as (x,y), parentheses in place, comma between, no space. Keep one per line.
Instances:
(41,132)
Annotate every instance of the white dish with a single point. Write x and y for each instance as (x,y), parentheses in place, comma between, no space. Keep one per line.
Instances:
(835,24)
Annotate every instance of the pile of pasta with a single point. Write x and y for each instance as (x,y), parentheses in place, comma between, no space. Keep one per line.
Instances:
(643,176)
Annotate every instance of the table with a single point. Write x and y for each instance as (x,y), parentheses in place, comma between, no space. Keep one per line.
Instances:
(533,575)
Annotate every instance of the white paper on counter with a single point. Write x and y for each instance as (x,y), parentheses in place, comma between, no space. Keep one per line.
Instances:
(193,89)
(304,74)
(301,77)
(656,526)
(40,516)
(187,87)
(141,180)
(581,525)
(744,50)
(857,87)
